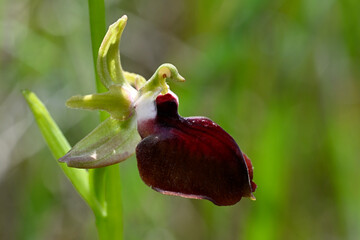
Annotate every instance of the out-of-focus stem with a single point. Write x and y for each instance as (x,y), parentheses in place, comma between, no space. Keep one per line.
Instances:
(104,182)
(97,31)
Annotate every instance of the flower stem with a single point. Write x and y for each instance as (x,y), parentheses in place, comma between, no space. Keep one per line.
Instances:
(104,182)
(97,31)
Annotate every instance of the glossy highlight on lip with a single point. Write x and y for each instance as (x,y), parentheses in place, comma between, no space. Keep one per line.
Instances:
(191,157)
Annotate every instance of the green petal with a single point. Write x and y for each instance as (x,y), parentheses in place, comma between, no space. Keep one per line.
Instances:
(111,142)
(135,80)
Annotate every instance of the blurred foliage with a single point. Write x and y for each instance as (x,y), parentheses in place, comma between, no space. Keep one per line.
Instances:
(281,76)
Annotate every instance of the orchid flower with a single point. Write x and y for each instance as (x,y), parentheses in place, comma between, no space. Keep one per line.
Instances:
(188,157)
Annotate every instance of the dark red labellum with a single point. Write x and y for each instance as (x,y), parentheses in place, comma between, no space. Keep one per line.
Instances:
(192,157)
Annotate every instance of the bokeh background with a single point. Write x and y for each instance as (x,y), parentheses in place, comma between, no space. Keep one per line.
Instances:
(282,77)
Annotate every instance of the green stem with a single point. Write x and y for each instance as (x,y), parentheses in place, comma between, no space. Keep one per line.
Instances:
(110,226)
(97,31)
(113,194)
(104,182)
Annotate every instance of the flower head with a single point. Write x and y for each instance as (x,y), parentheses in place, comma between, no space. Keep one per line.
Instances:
(189,157)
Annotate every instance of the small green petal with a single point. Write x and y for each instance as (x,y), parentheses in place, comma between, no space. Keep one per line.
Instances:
(135,80)
(111,142)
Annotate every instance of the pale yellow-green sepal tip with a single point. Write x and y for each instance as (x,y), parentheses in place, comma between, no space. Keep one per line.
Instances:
(113,35)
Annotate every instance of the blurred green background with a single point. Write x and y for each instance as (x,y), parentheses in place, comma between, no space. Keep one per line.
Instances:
(282,77)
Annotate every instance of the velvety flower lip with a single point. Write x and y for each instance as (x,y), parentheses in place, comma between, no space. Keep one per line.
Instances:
(191,157)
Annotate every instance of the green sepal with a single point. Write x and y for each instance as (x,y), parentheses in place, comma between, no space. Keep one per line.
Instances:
(117,101)
(108,62)
(111,142)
